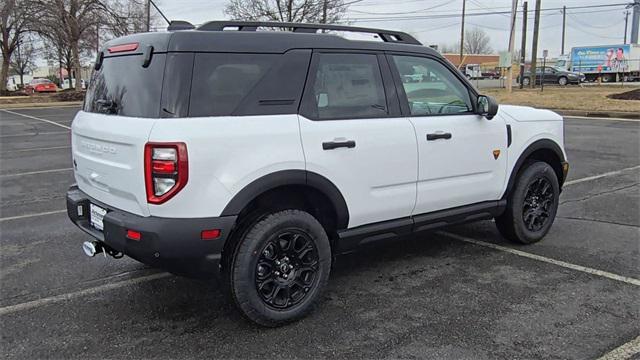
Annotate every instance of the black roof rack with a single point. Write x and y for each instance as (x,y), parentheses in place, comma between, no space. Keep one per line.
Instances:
(385,35)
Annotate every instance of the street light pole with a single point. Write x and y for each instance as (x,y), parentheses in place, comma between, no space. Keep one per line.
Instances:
(512,35)
(564,26)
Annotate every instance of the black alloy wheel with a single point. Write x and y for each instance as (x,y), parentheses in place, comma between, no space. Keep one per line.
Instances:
(538,202)
(287,269)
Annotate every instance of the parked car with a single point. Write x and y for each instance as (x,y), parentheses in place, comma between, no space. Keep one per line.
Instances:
(40,85)
(554,75)
(212,153)
(491,74)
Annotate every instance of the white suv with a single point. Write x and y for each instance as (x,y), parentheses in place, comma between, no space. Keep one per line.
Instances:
(259,155)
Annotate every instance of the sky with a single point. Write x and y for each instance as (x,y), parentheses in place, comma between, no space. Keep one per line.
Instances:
(596,26)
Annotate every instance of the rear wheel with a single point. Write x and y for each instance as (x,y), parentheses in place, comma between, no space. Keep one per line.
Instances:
(531,205)
(526,81)
(280,268)
(562,81)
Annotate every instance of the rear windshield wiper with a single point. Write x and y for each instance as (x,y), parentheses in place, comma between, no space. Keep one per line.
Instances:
(107,106)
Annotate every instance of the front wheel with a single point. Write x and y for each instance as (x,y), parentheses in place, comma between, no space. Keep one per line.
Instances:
(280,268)
(531,205)
(562,81)
(526,81)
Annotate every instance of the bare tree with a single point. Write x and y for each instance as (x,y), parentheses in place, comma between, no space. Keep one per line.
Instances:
(449,48)
(476,41)
(76,21)
(125,17)
(314,11)
(24,59)
(16,17)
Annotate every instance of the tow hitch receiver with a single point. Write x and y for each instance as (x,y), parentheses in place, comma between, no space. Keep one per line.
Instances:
(92,248)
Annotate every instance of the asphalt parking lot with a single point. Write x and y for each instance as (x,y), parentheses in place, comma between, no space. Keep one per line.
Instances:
(462,292)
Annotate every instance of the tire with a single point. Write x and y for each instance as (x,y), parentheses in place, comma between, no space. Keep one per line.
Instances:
(526,81)
(280,268)
(562,81)
(532,204)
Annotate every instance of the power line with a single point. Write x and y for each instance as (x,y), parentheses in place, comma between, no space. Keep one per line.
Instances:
(402,12)
(455,15)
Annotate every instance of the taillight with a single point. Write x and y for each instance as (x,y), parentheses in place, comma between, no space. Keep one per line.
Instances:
(166,170)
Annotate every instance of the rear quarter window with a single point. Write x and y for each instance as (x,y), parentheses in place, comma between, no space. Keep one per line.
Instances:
(222,80)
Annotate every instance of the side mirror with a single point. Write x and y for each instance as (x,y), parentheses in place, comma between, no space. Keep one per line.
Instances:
(487,106)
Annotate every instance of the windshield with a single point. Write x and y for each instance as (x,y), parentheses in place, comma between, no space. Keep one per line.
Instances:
(123,87)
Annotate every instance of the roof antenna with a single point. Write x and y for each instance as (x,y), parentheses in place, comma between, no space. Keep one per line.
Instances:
(160,11)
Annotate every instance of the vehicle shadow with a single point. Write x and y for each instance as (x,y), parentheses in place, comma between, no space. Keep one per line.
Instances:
(198,304)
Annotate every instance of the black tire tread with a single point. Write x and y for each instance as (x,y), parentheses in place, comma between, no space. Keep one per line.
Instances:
(508,224)
(252,234)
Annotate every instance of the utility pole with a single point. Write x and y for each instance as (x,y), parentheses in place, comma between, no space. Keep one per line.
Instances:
(523,46)
(534,51)
(512,35)
(635,22)
(464,3)
(626,22)
(97,38)
(564,26)
(148,14)
(324,11)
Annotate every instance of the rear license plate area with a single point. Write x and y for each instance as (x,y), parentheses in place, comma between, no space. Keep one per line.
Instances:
(96,216)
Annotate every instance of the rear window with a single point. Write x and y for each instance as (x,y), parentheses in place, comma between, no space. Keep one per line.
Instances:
(222,80)
(123,87)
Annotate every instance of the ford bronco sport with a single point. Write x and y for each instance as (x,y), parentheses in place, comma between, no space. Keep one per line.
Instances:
(260,155)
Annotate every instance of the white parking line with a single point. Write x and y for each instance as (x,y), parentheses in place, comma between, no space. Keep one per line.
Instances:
(35,134)
(594,177)
(563,264)
(32,215)
(76,294)
(36,118)
(36,172)
(36,149)
(625,351)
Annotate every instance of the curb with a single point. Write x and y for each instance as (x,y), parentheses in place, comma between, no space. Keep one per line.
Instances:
(599,114)
(41,105)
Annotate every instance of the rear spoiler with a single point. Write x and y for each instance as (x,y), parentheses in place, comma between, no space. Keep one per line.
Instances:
(180,25)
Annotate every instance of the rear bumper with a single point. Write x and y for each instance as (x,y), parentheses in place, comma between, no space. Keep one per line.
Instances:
(172,244)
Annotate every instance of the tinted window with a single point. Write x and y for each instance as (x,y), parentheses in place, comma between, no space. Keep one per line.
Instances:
(221,81)
(123,87)
(431,88)
(348,86)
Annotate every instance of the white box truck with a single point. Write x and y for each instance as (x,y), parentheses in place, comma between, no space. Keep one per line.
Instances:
(609,62)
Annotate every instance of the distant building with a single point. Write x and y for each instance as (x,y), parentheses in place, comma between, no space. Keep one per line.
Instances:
(484,60)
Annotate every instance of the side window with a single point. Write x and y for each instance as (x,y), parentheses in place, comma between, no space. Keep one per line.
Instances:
(431,87)
(221,81)
(348,86)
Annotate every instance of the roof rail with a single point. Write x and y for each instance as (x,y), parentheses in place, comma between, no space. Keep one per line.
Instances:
(180,25)
(385,35)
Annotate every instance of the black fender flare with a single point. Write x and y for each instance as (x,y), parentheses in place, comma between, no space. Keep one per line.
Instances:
(290,177)
(535,146)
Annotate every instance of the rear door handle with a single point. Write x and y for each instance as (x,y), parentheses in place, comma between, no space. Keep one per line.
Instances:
(330,145)
(436,136)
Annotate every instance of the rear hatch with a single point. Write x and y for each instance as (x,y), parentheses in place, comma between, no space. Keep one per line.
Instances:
(108,137)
